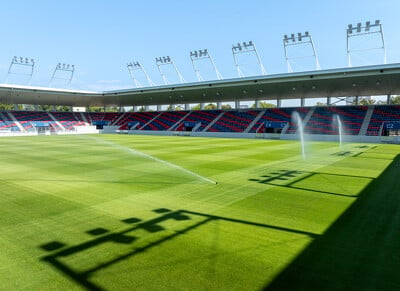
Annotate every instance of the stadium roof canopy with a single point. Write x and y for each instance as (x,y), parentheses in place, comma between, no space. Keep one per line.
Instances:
(358,81)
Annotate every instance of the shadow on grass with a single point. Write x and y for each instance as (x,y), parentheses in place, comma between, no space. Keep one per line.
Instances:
(360,251)
(59,251)
(289,179)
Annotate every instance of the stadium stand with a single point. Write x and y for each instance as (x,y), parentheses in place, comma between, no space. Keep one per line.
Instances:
(203,117)
(323,120)
(106,117)
(166,120)
(318,120)
(28,119)
(6,124)
(381,114)
(137,117)
(234,121)
(279,115)
(68,120)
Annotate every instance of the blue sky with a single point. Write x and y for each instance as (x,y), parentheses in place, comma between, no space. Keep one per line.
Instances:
(99,37)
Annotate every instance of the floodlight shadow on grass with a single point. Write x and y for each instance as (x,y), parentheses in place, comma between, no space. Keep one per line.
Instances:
(85,278)
(360,250)
(289,179)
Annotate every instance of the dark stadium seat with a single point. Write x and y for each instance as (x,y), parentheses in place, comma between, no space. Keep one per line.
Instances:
(279,115)
(234,121)
(323,120)
(133,117)
(381,114)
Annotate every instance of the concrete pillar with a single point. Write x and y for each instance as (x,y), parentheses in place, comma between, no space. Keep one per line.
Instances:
(302,101)
(357,99)
(187,106)
(202,105)
(389,99)
(36,107)
(15,107)
(257,102)
(53,108)
(159,107)
(278,103)
(219,105)
(135,108)
(328,101)
(146,107)
(237,104)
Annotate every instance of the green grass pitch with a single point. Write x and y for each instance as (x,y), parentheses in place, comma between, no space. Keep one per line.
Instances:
(118,212)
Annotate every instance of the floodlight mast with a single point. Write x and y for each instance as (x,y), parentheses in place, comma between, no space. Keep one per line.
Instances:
(299,39)
(66,68)
(21,61)
(200,55)
(167,60)
(136,66)
(360,30)
(244,47)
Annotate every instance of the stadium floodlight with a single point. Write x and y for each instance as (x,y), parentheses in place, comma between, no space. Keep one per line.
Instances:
(164,61)
(21,61)
(136,66)
(63,71)
(248,48)
(299,40)
(201,55)
(363,31)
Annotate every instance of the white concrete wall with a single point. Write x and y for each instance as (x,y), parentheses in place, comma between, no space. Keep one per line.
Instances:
(311,137)
(325,137)
(110,129)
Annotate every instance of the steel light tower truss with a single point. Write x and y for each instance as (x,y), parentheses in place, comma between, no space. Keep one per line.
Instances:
(362,31)
(21,61)
(62,70)
(199,55)
(164,61)
(304,40)
(136,66)
(248,48)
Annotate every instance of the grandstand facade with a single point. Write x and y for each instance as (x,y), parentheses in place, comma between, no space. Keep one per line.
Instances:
(358,121)
(319,120)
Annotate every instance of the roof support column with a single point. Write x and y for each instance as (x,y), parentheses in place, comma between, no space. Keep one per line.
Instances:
(219,105)
(187,106)
(257,103)
(389,99)
(328,101)
(278,103)
(237,104)
(302,101)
